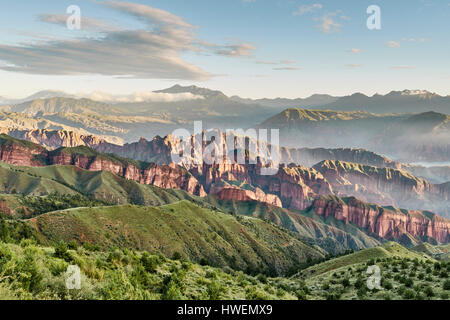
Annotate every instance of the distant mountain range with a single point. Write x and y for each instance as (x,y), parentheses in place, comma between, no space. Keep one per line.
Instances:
(382,123)
(30,169)
(407,101)
(404,137)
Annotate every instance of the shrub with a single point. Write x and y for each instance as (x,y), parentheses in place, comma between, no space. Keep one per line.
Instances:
(346,282)
(214,290)
(72,245)
(252,294)
(446,285)
(150,263)
(62,253)
(176,256)
(429,291)
(387,285)
(91,247)
(262,278)
(172,291)
(408,282)
(359,283)
(409,294)
(300,294)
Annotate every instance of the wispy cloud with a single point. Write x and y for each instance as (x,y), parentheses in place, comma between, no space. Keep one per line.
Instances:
(401,67)
(355,50)
(307,9)
(328,23)
(139,97)
(275,62)
(393,44)
(235,50)
(150,52)
(286,69)
(87,23)
(147,14)
(354,65)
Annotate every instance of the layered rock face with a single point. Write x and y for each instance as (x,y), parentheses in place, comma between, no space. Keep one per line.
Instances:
(54,139)
(387,223)
(159,149)
(311,156)
(170,176)
(385,186)
(234,193)
(167,176)
(20,153)
(295,186)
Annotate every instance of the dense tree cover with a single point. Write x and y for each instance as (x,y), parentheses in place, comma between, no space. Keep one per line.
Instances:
(56,201)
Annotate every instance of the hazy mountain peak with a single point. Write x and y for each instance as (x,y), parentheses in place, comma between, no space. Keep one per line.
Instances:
(416,92)
(47,94)
(205,92)
(358,95)
(429,116)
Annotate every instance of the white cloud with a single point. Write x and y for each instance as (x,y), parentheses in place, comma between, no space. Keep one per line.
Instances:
(355,50)
(139,97)
(152,52)
(354,65)
(87,23)
(307,9)
(393,44)
(401,67)
(275,62)
(328,24)
(286,69)
(148,14)
(235,50)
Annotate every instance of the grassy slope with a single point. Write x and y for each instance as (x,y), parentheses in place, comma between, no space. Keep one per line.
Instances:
(10,205)
(329,235)
(6,140)
(388,250)
(71,180)
(121,274)
(440,252)
(404,275)
(195,232)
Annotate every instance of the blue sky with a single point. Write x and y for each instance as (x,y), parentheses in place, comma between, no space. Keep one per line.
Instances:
(259,48)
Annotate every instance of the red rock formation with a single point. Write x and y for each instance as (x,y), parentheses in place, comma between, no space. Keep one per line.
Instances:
(168,176)
(54,139)
(240,194)
(385,186)
(4,209)
(22,154)
(387,223)
(295,186)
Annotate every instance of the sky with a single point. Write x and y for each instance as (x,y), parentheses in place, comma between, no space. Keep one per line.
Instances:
(250,48)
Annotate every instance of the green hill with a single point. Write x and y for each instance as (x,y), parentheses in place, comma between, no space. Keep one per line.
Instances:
(197,233)
(9,141)
(102,185)
(121,274)
(329,234)
(439,252)
(387,250)
(403,275)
